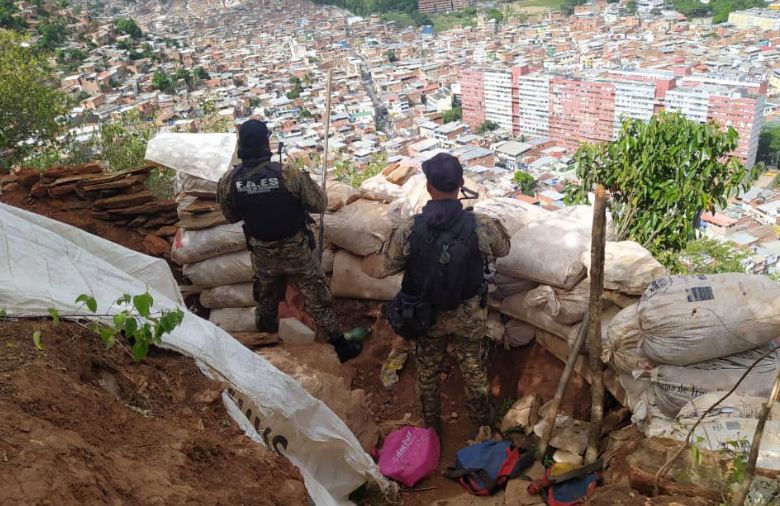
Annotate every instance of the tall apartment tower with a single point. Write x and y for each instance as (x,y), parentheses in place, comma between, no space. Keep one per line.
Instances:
(433,6)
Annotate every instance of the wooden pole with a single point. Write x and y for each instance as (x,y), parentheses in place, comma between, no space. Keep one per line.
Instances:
(741,493)
(597,243)
(555,406)
(325,162)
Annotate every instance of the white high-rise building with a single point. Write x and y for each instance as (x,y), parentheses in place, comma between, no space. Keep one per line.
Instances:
(633,99)
(534,103)
(498,98)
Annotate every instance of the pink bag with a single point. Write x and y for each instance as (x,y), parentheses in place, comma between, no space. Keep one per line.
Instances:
(409,454)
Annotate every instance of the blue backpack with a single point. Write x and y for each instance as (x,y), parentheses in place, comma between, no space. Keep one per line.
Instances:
(485,467)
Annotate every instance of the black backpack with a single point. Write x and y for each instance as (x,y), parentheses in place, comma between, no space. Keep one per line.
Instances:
(445,267)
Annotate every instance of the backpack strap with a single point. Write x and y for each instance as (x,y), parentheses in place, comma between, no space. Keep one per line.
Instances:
(468,477)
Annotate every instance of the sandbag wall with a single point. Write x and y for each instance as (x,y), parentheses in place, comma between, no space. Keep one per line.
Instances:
(693,335)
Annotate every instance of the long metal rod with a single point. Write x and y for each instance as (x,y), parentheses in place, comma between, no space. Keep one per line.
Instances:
(325,162)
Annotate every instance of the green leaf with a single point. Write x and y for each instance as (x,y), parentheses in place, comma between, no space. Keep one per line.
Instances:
(123,300)
(3,313)
(55,315)
(37,340)
(119,320)
(140,350)
(130,326)
(88,301)
(108,336)
(143,304)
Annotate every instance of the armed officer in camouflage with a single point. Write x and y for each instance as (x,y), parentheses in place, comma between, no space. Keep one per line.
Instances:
(444,253)
(274,201)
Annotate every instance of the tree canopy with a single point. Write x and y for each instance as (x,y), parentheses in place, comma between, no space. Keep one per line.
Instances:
(30,107)
(718,9)
(661,176)
(769,145)
(162,81)
(705,256)
(487,126)
(526,182)
(129,27)
(453,114)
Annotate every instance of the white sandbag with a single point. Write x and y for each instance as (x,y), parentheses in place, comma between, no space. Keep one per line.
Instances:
(222,270)
(349,280)
(565,306)
(583,215)
(48,264)
(689,319)
(628,267)
(379,188)
(547,251)
(234,319)
(187,185)
(518,333)
(734,406)
(621,300)
(237,295)
(673,386)
(204,155)
(512,213)
(507,285)
(516,307)
(361,227)
(621,348)
(340,194)
(190,246)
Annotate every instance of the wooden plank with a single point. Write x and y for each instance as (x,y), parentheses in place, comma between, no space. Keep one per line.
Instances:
(202,206)
(201,221)
(74,170)
(124,200)
(256,339)
(154,207)
(83,178)
(124,182)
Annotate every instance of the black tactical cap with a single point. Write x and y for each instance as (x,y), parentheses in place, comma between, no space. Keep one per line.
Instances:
(444,172)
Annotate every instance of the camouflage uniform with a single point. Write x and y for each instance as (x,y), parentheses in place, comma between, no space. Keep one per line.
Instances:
(275,263)
(463,327)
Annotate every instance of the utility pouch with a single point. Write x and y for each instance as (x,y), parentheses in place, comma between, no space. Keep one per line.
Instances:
(409,316)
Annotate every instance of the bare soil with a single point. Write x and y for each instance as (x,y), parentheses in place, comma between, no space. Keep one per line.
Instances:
(86,425)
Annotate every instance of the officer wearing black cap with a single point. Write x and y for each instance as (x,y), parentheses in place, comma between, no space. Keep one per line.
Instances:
(274,202)
(444,252)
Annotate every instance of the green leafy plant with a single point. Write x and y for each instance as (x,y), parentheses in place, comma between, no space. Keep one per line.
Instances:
(487,126)
(346,172)
(704,256)
(661,175)
(737,452)
(453,114)
(526,182)
(36,337)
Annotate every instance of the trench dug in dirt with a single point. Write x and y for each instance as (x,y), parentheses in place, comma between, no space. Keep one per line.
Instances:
(86,425)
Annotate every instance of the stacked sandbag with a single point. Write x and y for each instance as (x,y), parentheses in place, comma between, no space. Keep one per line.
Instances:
(690,335)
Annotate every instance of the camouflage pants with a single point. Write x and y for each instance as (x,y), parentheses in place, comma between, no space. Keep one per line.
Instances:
(290,260)
(464,328)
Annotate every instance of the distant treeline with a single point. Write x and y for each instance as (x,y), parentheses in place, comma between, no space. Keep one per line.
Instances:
(368,7)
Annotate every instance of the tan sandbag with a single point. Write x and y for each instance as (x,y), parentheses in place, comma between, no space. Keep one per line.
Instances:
(237,295)
(516,307)
(402,173)
(192,246)
(327,261)
(512,213)
(628,267)
(349,280)
(340,194)
(317,369)
(495,328)
(234,319)
(361,227)
(416,196)
(222,270)
(565,306)
(547,251)
(518,333)
(380,189)
(621,348)
(621,300)
(689,319)
(508,285)
(674,386)
(583,215)
(185,183)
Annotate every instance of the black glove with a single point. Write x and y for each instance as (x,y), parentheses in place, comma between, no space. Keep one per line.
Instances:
(346,350)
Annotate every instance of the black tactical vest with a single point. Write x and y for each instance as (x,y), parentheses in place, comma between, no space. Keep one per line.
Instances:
(270,212)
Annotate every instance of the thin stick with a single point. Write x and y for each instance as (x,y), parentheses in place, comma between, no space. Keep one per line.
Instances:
(594,328)
(668,464)
(325,163)
(744,487)
(552,413)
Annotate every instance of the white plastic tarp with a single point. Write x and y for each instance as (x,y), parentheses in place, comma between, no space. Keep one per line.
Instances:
(206,156)
(47,264)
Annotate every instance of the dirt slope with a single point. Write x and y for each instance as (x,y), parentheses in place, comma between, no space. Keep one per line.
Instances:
(85,425)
